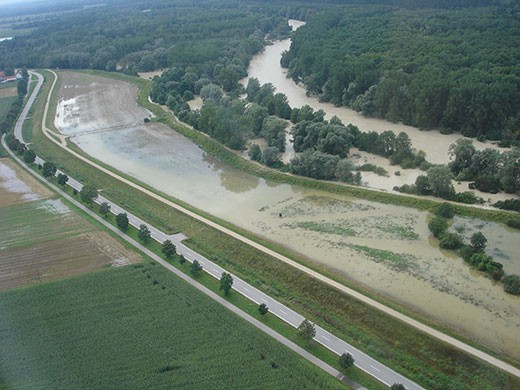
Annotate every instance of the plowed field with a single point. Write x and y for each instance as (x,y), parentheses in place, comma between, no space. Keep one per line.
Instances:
(42,239)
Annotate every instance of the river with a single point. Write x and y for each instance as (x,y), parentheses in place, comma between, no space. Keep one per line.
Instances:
(349,236)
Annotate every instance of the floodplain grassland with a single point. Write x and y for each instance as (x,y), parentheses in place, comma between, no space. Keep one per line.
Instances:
(420,357)
(138,326)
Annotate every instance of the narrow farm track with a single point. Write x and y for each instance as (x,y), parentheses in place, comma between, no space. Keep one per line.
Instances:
(410,321)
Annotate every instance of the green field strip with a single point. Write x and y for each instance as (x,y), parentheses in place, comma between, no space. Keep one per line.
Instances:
(111,329)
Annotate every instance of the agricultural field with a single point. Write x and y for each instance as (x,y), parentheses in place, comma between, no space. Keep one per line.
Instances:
(138,327)
(43,239)
(5,103)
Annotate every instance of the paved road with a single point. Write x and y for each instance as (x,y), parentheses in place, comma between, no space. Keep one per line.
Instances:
(424,328)
(27,108)
(362,360)
(300,351)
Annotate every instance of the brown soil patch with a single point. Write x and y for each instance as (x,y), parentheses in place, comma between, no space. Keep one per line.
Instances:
(8,92)
(60,258)
(9,196)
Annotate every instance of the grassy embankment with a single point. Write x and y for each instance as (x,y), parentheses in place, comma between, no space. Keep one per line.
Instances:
(113,328)
(402,347)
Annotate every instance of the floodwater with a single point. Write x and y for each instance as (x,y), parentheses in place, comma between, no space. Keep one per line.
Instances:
(266,68)
(349,236)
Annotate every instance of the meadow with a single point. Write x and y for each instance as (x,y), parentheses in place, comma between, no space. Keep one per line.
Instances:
(138,326)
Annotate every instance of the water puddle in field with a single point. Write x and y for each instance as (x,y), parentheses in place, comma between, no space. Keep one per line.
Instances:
(10,183)
(384,247)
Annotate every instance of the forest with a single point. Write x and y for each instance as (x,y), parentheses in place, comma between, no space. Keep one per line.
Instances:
(451,67)
(457,70)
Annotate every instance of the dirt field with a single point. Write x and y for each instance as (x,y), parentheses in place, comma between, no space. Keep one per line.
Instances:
(8,92)
(17,186)
(43,239)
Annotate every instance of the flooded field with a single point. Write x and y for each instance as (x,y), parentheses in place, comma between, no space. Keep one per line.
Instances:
(13,190)
(42,239)
(266,68)
(105,109)
(386,248)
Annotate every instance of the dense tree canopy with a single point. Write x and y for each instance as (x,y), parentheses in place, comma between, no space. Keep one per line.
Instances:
(458,70)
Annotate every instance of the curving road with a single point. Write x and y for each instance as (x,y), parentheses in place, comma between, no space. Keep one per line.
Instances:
(410,321)
(27,108)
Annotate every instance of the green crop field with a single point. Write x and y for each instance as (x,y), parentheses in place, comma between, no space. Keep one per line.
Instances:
(110,330)
(5,105)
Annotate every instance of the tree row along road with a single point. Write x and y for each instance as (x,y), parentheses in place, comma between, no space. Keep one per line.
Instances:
(394,313)
(300,351)
(336,345)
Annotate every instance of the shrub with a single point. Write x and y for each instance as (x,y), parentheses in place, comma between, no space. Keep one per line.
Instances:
(508,204)
(512,284)
(255,153)
(467,197)
(271,157)
(487,183)
(513,222)
(478,242)
(451,241)
(445,210)
(438,226)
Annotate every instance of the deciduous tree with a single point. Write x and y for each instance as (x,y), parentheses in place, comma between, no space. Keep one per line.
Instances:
(346,360)
(104,209)
(144,233)
(29,156)
(306,330)
(263,309)
(195,268)
(88,194)
(49,169)
(168,248)
(122,221)
(226,281)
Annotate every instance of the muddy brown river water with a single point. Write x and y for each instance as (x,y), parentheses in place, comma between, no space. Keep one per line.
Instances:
(266,68)
(384,247)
